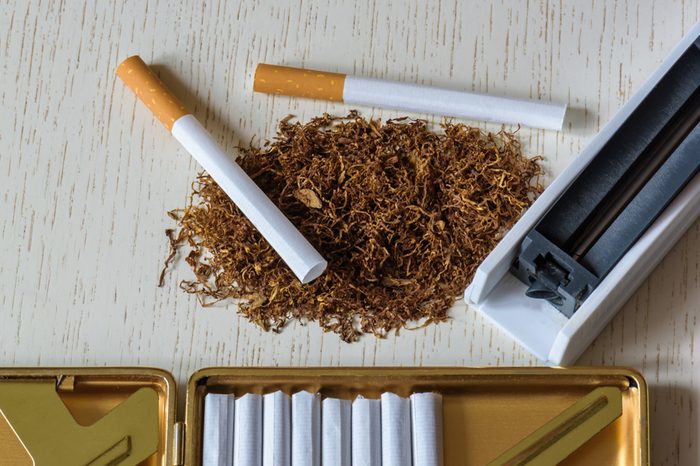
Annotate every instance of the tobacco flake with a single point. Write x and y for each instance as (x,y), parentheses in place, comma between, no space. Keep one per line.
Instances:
(309,198)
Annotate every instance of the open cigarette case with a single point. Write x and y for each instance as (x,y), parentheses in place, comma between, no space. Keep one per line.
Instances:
(112,415)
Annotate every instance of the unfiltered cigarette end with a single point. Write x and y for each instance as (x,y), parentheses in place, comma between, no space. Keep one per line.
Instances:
(313,273)
(283,80)
(151,90)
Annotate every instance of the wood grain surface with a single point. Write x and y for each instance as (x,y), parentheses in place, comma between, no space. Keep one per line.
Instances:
(87,174)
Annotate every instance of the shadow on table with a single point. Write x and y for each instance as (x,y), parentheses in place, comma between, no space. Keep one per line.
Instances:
(579,121)
(671,443)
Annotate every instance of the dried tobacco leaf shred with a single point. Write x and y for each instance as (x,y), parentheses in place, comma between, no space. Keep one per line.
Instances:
(403,216)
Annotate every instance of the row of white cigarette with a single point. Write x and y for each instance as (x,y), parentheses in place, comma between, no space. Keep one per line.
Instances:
(304,430)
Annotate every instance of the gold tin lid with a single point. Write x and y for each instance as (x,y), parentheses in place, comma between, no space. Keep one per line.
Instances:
(51,416)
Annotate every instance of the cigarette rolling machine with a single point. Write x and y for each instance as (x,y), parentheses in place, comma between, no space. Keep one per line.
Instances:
(626,186)
(587,243)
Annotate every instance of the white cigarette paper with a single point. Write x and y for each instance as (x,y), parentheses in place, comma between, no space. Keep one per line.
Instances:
(306,429)
(217,435)
(306,263)
(426,99)
(426,423)
(247,441)
(366,432)
(396,430)
(336,429)
(277,429)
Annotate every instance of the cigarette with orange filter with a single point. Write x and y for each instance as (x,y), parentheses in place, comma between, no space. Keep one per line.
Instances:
(357,90)
(301,257)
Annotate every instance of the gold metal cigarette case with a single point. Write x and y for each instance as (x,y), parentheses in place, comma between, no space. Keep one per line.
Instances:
(491,415)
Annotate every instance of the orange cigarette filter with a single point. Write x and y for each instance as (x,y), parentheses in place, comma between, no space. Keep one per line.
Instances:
(151,90)
(283,80)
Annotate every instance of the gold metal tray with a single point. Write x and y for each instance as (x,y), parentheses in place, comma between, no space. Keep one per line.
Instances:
(486,410)
(89,394)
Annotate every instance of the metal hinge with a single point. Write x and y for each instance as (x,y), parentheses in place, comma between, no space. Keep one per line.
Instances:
(179,444)
(65,383)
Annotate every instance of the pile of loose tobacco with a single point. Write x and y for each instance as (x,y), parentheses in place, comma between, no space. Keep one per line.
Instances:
(403,216)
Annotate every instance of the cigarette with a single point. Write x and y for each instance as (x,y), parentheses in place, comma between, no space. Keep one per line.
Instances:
(366,432)
(301,257)
(426,424)
(247,431)
(217,437)
(277,429)
(357,90)
(306,429)
(396,430)
(336,431)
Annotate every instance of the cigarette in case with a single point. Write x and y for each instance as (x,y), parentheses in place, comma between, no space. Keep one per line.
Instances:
(217,438)
(396,430)
(247,442)
(306,429)
(426,429)
(366,432)
(356,90)
(336,429)
(277,429)
(301,257)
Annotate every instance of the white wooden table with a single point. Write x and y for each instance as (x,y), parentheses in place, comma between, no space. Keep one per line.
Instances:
(87,174)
